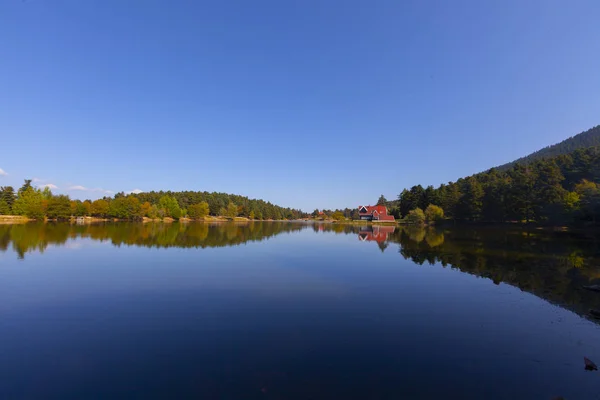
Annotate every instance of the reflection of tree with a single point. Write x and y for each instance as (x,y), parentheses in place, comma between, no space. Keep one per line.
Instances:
(36,237)
(434,237)
(553,266)
(30,237)
(416,233)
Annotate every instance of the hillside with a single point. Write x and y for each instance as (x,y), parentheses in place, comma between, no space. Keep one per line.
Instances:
(589,138)
(38,204)
(560,190)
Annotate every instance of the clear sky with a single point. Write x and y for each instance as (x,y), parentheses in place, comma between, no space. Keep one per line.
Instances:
(308,104)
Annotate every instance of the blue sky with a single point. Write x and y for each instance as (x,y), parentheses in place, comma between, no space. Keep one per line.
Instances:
(308,104)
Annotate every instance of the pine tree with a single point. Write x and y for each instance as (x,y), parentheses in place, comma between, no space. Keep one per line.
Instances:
(382,201)
(472,201)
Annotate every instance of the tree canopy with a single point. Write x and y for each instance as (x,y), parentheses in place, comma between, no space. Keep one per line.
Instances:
(589,138)
(560,190)
(36,203)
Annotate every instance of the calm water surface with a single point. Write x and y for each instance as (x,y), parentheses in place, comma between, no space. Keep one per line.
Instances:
(294,311)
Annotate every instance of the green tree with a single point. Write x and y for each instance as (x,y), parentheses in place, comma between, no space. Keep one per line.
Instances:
(153,212)
(176,213)
(46,193)
(494,198)
(571,201)
(4,207)
(29,203)
(25,186)
(125,207)
(338,215)
(7,195)
(199,210)
(59,207)
(416,216)
(87,208)
(381,202)
(522,192)
(549,193)
(99,208)
(406,202)
(171,206)
(472,201)
(430,196)
(78,209)
(434,214)
(7,198)
(589,194)
(232,210)
(451,200)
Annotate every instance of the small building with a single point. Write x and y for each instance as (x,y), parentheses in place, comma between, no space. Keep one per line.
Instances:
(374,213)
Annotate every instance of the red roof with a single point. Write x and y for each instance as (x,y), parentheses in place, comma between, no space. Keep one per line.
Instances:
(370,209)
(378,212)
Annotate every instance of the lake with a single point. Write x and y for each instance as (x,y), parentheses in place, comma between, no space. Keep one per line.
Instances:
(285,310)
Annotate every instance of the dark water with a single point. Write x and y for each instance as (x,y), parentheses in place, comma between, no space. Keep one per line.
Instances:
(293,311)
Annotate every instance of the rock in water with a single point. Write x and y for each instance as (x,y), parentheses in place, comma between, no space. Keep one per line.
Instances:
(589,364)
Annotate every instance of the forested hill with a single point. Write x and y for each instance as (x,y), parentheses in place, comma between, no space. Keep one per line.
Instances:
(219,202)
(36,203)
(560,190)
(589,138)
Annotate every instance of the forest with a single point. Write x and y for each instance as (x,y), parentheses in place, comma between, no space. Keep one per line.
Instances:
(561,190)
(589,138)
(38,204)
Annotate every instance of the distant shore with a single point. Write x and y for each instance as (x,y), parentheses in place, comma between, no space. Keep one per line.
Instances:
(19,219)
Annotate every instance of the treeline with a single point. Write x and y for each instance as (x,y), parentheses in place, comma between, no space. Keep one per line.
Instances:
(559,190)
(36,203)
(222,204)
(589,138)
(337,214)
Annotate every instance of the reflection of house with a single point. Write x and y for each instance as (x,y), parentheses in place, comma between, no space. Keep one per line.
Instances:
(374,213)
(375,233)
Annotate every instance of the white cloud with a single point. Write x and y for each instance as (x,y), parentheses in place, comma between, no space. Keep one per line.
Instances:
(37,180)
(83,188)
(101,190)
(50,186)
(3,172)
(136,191)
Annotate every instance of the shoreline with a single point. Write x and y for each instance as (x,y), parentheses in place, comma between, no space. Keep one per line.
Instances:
(18,219)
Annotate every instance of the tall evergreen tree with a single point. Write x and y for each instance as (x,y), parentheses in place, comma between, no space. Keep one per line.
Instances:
(522,192)
(549,193)
(472,201)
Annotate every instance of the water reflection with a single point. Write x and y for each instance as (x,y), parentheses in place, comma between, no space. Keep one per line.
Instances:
(25,238)
(551,265)
(315,315)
